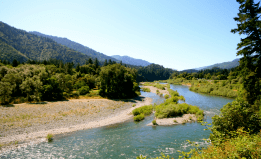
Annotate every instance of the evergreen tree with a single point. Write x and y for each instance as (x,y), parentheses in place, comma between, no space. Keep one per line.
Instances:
(15,63)
(105,63)
(96,63)
(90,61)
(250,47)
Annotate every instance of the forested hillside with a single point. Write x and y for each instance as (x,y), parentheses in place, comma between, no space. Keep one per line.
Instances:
(223,65)
(131,61)
(78,47)
(21,45)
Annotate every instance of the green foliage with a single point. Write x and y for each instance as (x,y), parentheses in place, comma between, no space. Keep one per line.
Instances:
(249,24)
(235,115)
(118,81)
(154,122)
(173,110)
(139,117)
(243,145)
(159,86)
(146,110)
(49,137)
(146,89)
(166,96)
(84,90)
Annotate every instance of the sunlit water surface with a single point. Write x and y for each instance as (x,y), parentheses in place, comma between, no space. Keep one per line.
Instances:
(130,139)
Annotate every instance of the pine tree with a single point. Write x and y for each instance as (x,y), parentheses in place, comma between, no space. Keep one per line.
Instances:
(249,24)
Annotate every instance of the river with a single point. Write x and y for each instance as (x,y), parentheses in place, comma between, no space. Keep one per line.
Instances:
(130,139)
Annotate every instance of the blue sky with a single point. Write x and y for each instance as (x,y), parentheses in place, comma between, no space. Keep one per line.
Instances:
(178,34)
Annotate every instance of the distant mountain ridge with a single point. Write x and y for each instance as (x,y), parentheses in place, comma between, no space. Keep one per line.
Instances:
(131,61)
(223,65)
(21,45)
(78,47)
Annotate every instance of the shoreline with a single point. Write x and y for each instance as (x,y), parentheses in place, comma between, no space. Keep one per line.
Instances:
(37,137)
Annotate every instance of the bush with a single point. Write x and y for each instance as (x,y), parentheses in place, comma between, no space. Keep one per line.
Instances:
(49,137)
(146,89)
(145,110)
(139,117)
(166,96)
(84,90)
(154,122)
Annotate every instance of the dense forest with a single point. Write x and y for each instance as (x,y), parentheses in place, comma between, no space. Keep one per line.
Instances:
(78,47)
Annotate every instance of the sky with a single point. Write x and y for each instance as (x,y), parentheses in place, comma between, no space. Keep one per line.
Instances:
(178,34)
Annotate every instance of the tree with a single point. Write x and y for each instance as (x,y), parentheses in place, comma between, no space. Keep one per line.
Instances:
(118,81)
(96,63)
(15,63)
(90,61)
(105,63)
(250,47)
(245,111)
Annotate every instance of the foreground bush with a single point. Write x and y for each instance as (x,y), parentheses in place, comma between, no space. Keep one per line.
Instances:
(243,145)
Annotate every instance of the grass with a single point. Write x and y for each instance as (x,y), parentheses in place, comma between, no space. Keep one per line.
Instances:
(175,121)
(49,137)
(133,105)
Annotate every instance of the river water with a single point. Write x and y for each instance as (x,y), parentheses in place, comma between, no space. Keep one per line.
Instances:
(130,139)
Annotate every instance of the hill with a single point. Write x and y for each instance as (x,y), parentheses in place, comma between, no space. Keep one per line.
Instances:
(19,44)
(78,47)
(131,61)
(223,65)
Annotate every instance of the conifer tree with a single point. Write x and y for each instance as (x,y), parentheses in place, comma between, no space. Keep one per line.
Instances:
(249,24)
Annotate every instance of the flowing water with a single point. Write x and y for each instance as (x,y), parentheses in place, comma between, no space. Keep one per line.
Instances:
(130,139)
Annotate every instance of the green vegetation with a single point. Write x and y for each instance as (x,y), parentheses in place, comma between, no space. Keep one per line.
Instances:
(141,112)
(146,89)
(84,90)
(166,96)
(53,80)
(49,137)
(171,108)
(146,110)
(117,81)
(159,86)
(154,122)
(139,117)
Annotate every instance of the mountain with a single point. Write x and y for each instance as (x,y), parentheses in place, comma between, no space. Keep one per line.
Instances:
(131,61)
(223,65)
(21,45)
(78,47)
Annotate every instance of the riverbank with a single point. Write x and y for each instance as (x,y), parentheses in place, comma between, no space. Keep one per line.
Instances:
(26,124)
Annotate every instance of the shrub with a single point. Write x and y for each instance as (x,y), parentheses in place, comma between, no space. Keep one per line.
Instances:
(157,91)
(145,110)
(84,90)
(49,137)
(175,121)
(166,96)
(133,105)
(154,122)
(139,117)
(146,89)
